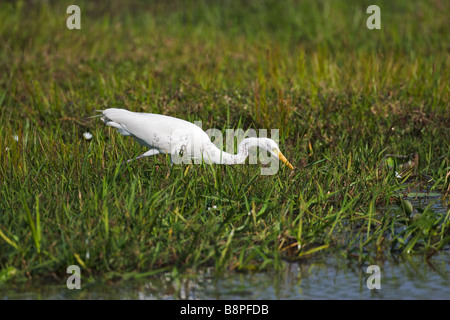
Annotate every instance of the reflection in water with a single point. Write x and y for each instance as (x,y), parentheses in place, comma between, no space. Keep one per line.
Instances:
(409,278)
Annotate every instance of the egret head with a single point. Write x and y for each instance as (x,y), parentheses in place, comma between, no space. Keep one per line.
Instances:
(272,147)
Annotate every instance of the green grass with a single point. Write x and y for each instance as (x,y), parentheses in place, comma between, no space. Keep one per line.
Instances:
(341,95)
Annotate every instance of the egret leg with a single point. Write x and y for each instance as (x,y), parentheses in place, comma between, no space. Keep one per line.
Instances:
(149,153)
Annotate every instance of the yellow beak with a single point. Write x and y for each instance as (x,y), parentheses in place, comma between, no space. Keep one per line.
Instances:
(283,158)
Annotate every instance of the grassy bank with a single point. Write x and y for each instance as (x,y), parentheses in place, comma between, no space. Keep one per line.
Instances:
(342,96)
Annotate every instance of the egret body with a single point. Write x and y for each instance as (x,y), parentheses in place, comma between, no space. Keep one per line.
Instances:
(173,136)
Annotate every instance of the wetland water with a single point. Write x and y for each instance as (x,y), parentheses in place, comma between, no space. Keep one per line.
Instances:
(409,278)
(328,277)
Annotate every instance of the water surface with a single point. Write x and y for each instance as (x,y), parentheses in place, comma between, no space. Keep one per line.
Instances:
(409,278)
(327,277)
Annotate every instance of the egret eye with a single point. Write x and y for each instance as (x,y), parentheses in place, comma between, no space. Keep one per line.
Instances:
(274,151)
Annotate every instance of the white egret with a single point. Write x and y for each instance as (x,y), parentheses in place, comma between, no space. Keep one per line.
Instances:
(169,135)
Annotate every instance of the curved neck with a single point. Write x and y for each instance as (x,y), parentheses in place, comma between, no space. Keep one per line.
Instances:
(221,157)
